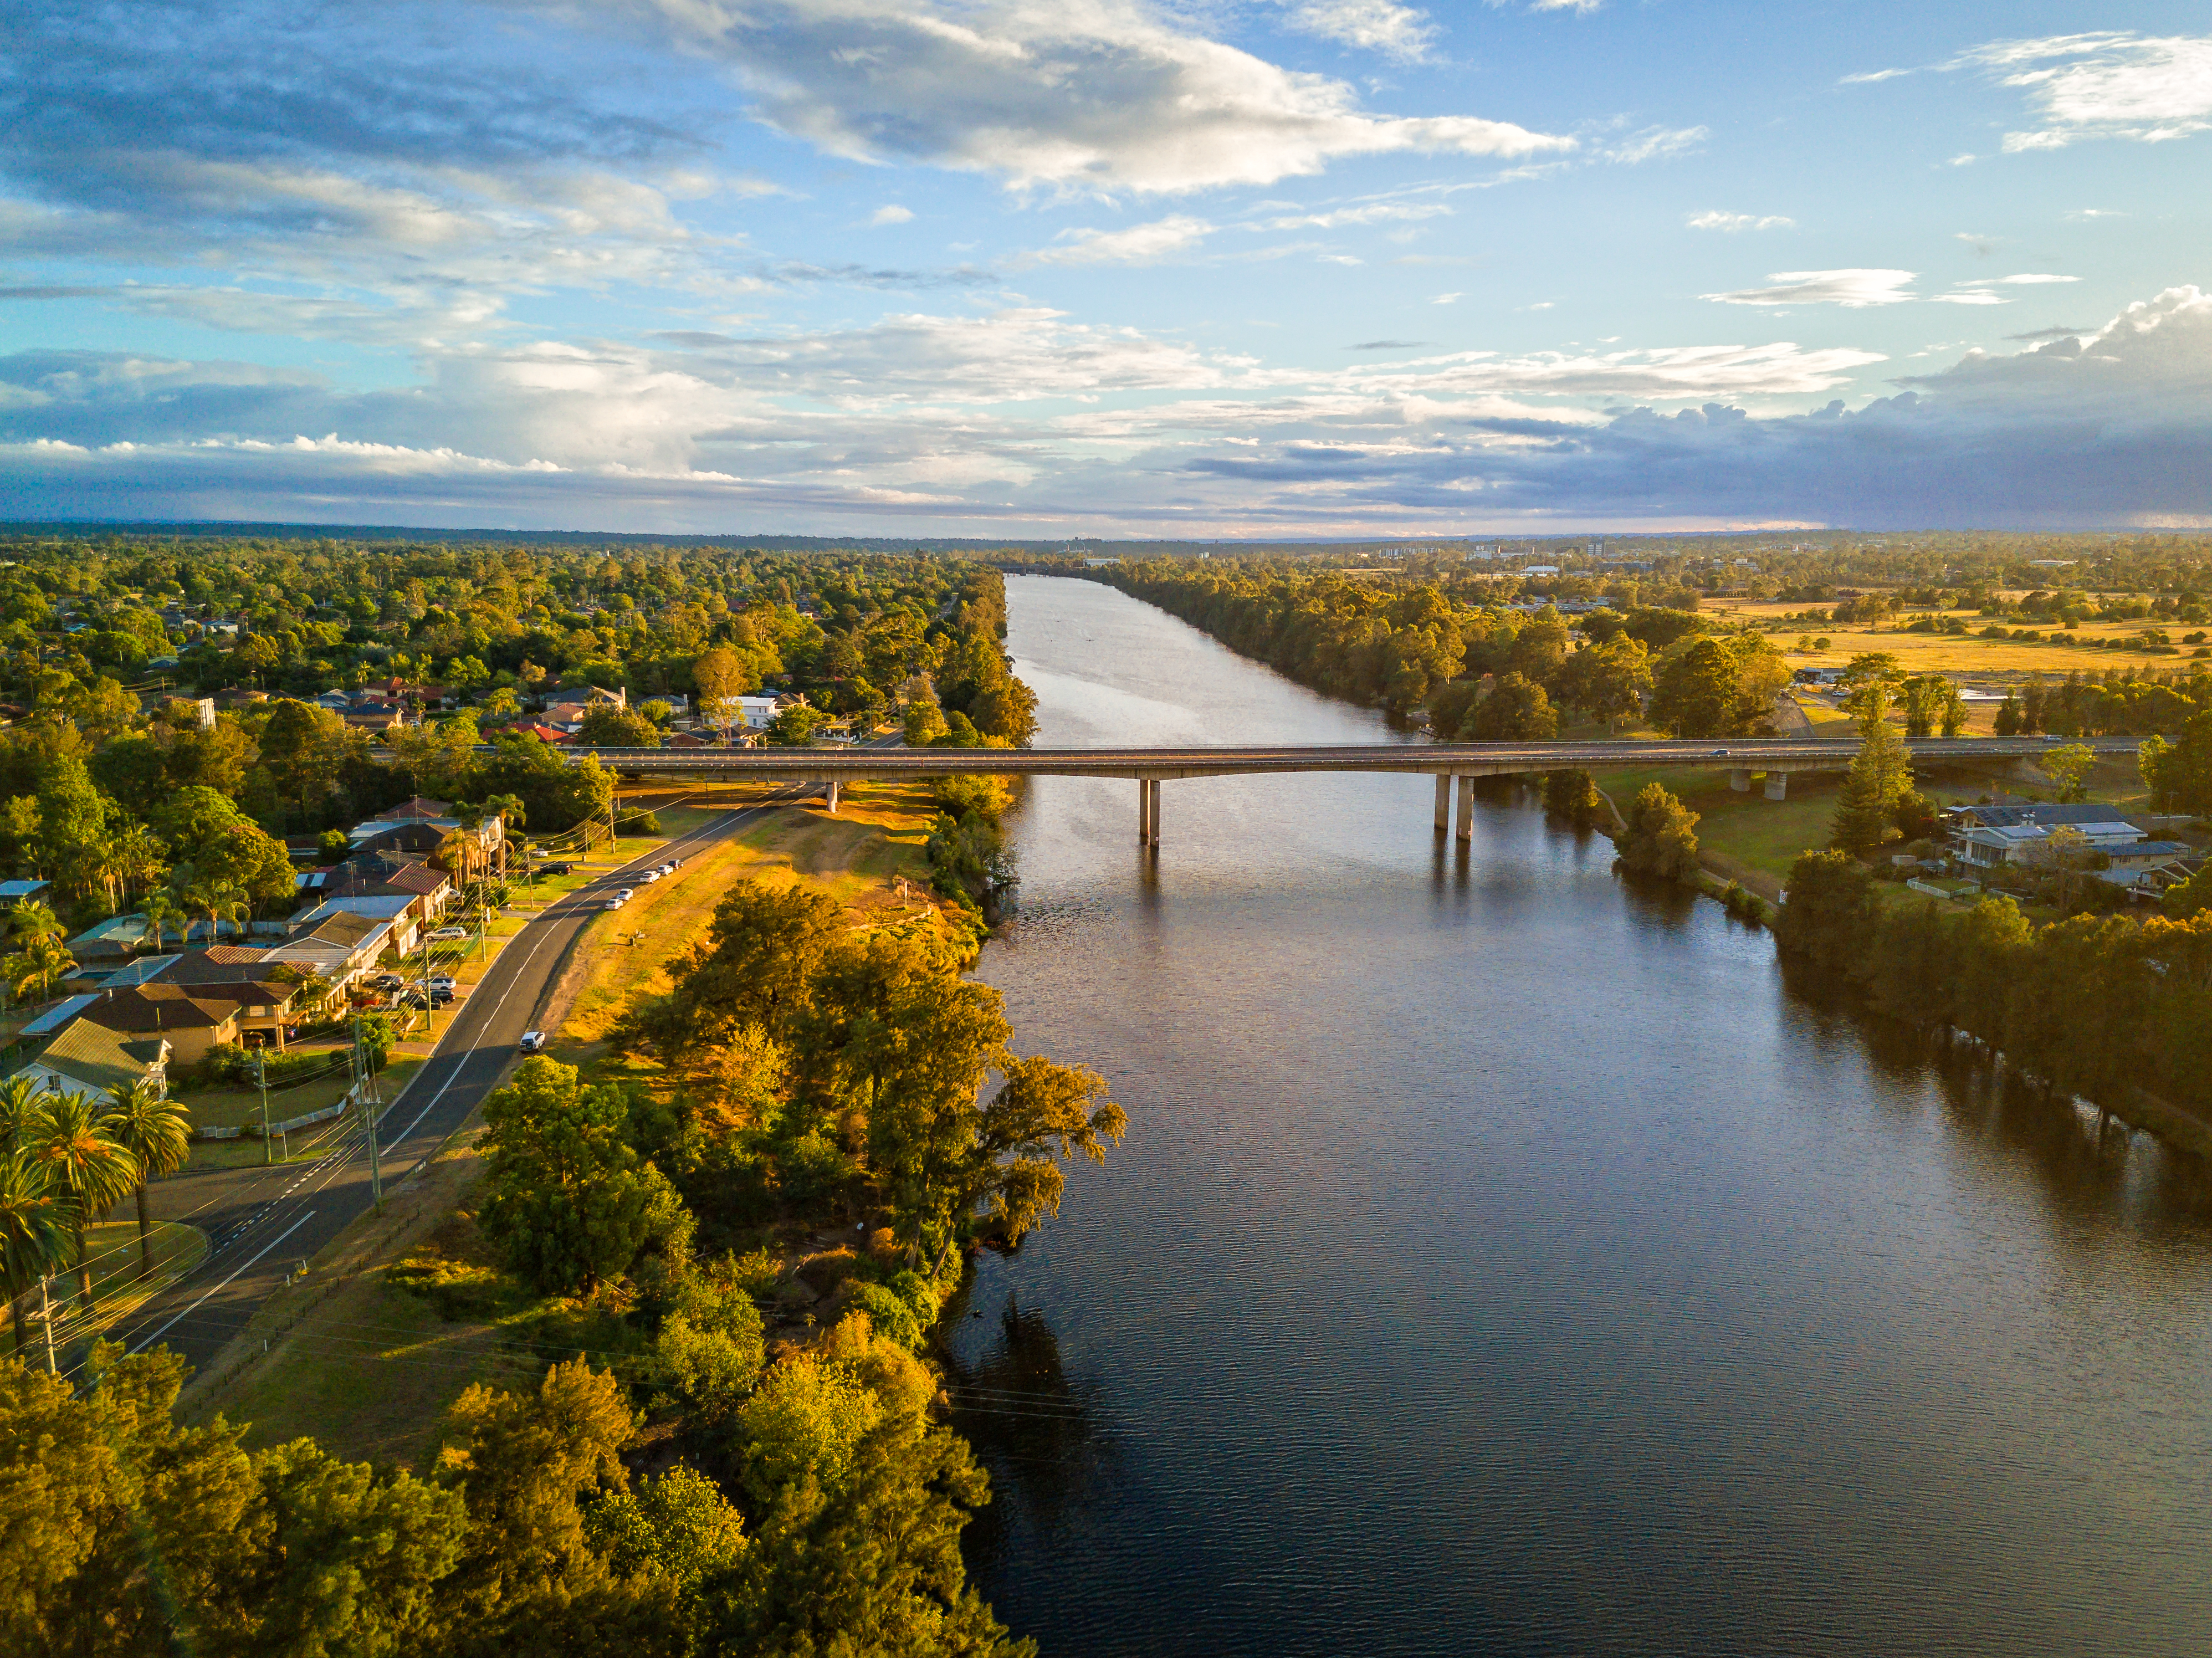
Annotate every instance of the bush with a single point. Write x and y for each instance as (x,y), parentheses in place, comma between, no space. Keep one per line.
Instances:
(1661,837)
(636,822)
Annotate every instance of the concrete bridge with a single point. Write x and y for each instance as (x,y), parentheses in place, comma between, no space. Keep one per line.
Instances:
(1743,758)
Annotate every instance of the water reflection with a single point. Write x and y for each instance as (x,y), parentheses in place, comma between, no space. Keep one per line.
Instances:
(1509,1256)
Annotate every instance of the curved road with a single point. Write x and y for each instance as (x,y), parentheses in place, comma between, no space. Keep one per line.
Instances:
(261,1221)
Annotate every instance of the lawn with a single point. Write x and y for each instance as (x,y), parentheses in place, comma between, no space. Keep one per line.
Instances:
(305,1145)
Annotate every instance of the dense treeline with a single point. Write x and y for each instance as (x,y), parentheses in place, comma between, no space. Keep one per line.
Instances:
(812,1074)
(2095,1005)
(121,798)
(1481,669)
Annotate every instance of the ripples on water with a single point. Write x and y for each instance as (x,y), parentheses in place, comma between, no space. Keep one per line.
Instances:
(1504,1258)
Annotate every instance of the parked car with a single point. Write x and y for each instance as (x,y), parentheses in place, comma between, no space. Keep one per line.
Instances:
(668,868)
(388,981)
(413,999)
(553,869)
(625,894)
(441,998)
(614,904)
(442,982)
(650,876)
(532,1041)
(446,935)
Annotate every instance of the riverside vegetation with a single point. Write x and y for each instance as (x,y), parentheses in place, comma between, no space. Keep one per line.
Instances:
(680,1485)
(681,1482)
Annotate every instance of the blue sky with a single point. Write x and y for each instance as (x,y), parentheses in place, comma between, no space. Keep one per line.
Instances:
(1093,267)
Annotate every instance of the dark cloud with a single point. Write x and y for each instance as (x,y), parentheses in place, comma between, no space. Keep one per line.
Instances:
(2050,334)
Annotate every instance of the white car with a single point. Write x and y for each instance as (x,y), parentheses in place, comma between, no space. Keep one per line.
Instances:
(650,876)
(625,894)
(614,904)
(532,1041)
(446,935)
(668,868)
(443,981)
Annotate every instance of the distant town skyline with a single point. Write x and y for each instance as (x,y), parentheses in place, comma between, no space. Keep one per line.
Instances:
(1302,268)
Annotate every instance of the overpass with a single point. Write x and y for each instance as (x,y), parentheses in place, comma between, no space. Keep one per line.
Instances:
(1743,758)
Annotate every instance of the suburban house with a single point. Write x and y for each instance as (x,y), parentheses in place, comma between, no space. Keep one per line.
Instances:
(754,712)
(381,875)
(339,948)
(2017,832)
(190,1024)
(400,915)
(84,1058)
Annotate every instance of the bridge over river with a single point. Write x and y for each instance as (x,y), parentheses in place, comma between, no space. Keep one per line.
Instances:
(1744,759)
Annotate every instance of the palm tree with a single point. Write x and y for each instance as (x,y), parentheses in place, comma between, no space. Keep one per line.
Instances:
(154,1130)
(88,1167)
(34,1232)
(23,1105)
(160,911)
(229,902)
(43,963)
(29,919)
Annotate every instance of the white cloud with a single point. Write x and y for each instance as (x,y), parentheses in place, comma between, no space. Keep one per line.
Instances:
(1577,6)
(892,215)
(2104,85)
(2033,279)
(1370,213)
(1445,299)
(1967,160)
(1873,77)
(1968,296)
(938,422)
(1098,96)
(1718,219)
(1657,144)
(1141,244)
(1853,289)
(1383,26)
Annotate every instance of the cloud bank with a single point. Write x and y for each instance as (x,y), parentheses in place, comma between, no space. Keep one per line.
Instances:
(1023,421)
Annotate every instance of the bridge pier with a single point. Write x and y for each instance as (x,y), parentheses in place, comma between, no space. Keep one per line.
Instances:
(1777,786)
(1152,808)
(1466,831)
(1740,781)
(830,798)
(1444,801)
(1143,813)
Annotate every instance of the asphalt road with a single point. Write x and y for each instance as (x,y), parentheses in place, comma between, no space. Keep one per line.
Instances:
(262,1221)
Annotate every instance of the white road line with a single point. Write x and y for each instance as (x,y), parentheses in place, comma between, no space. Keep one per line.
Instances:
(234,1272)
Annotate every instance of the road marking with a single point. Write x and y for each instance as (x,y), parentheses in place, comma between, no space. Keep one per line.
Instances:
(235,1270)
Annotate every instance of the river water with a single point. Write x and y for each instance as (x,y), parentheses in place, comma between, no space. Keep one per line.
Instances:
(1504,1259)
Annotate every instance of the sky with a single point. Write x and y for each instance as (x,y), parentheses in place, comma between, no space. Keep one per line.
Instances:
(1100,268)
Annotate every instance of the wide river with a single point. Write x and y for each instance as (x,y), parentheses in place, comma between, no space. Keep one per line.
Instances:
(1505,1259)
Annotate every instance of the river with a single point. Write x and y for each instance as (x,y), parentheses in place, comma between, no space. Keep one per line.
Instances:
(1504,1258)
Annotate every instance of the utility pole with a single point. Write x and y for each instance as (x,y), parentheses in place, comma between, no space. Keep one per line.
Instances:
(46,1317)
(364,1087)
(261,1076)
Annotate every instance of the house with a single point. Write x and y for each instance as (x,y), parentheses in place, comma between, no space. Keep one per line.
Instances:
(339,947)
(2135,866)
(401,915)
(190,1024)
(18,892)
(420,806)
(755,713)
(84,1058)
(2015,843)
(380,875)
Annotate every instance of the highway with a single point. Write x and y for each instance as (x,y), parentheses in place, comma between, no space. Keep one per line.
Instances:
(263,1221)
(1754,754)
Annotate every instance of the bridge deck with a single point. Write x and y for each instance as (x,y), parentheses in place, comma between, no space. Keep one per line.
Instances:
(1757,754)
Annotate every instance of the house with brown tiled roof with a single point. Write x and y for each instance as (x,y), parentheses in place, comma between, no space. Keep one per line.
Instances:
(189,1020)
